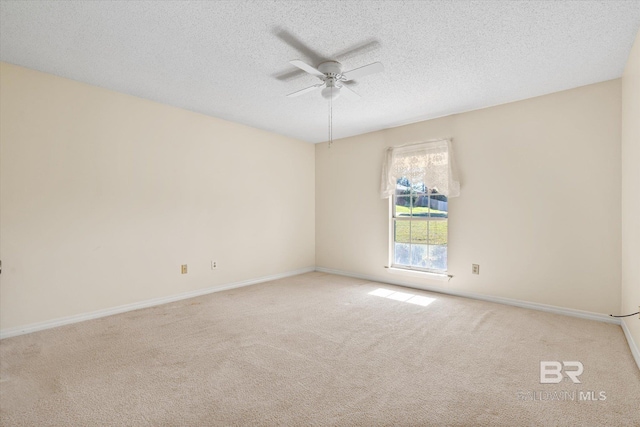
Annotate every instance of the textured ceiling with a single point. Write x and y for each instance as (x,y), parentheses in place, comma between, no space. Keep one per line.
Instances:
(230,59)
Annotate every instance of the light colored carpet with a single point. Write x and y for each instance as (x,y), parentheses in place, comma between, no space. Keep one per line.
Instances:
(317,349)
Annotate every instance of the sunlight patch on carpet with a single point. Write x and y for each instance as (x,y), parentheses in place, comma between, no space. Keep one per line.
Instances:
(402,296)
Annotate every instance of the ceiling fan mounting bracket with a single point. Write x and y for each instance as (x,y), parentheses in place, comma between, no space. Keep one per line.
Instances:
(330,68)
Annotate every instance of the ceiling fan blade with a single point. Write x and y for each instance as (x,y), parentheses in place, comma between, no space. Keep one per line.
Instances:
(293,41)
(348,93)
(308,68)
(376,67)
(305,90)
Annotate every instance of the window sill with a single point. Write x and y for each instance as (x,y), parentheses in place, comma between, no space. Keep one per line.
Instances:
(423,274)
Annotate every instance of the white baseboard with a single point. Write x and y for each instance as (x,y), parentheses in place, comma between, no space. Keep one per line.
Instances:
(632,344)
(507,301)
(12,332)
(21,330)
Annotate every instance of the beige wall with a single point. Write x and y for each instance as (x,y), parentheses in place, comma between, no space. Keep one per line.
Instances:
(104,195)
(631,190)
(539,208)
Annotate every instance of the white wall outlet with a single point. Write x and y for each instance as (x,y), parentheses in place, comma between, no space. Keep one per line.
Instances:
(214,265)
(475,268)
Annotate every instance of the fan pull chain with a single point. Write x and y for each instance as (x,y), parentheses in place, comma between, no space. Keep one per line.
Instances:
(331,118)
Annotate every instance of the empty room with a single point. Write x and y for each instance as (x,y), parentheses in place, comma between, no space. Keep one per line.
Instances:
(327,213)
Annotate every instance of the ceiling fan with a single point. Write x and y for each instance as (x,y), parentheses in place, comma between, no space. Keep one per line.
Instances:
(333,78)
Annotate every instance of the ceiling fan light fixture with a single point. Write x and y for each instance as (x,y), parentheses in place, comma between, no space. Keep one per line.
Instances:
(330,92)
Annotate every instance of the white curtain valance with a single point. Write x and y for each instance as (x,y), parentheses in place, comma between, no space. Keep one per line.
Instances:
(430,163)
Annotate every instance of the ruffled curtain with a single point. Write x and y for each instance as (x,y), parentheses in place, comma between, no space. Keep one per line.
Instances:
(430,163)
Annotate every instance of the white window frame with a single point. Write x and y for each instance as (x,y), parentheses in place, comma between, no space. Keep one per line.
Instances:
(392,240)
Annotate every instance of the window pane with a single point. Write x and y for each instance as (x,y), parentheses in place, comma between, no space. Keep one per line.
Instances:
(436,257)
(402,206)
(401,254)
(421,205)
(402,231)
(419,256)
(437,232)
(419,231)
(439,205)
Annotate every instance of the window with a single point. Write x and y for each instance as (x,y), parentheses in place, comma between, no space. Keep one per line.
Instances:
(420,179)
(419,227)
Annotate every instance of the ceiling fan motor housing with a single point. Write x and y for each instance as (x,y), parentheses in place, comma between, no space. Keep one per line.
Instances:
(330,68)
(333,70)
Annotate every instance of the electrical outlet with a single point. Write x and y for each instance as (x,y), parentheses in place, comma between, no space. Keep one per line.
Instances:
(183,269)
(214,265)
(475,268)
